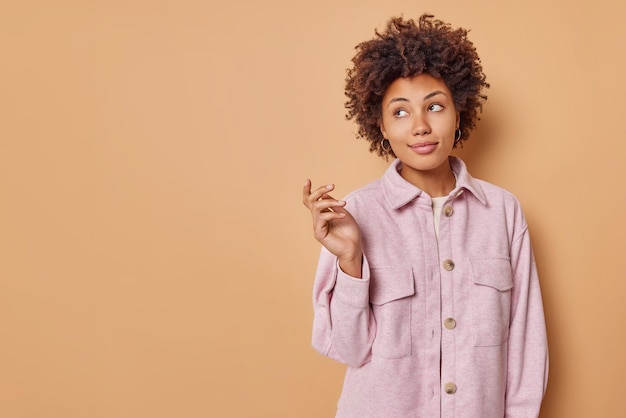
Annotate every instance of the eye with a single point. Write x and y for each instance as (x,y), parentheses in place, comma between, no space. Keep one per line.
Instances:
(400,113)
(435,107)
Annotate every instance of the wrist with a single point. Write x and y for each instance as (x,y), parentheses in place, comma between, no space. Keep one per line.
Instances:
(352,265)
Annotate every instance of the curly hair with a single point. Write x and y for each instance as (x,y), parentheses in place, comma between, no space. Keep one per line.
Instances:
(407,48)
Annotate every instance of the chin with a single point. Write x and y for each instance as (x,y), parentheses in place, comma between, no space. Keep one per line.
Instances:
(424,162)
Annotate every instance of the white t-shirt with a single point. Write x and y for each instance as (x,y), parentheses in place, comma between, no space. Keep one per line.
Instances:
(437,206)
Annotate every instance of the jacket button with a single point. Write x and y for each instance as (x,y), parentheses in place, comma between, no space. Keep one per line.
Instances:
(448,265)
(449,323)
(450,388)
(448,211)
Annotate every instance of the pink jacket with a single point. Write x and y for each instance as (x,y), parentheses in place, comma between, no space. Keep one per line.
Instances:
(448,328)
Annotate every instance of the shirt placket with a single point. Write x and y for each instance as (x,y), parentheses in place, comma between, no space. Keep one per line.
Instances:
(448,321)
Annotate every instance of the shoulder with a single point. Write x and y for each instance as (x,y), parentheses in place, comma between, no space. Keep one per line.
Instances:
(487,193)
(501,202)
(496,194)
(366,195)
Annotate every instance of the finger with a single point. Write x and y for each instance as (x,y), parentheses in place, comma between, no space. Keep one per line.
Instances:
(340,207)
(309,196)
(325,205)
(320,192)
(326,217)
(322,222)
(306,188)
(306,192)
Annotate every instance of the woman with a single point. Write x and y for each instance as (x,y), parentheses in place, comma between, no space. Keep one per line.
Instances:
(426,285)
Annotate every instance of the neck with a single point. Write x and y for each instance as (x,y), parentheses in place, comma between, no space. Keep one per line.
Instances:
(436,182)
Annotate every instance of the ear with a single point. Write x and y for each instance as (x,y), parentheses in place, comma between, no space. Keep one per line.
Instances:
(458,120)
(381,126)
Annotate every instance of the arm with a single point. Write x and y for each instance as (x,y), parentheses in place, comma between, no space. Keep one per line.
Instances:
(528,348)
(342,316)
(343,325)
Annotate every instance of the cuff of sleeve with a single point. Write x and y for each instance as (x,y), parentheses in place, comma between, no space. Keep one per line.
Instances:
(351,290)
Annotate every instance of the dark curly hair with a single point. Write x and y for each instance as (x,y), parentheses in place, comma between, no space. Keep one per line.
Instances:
(407,48)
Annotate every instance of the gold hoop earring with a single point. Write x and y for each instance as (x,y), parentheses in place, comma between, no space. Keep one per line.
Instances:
(457,138)
(385,145)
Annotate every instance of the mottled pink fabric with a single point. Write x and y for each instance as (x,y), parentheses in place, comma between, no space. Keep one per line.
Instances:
(462,315)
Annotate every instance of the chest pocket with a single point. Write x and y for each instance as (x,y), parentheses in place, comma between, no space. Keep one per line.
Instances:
(391,289)
(491,300)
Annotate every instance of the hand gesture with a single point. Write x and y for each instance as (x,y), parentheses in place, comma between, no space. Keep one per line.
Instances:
(334,227)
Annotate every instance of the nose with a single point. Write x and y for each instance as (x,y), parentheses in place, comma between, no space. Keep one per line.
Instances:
(420,125)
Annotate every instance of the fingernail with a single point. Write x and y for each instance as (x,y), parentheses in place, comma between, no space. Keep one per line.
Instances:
(329,186)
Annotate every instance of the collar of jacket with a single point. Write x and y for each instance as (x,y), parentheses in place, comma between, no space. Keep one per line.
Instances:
(399,192)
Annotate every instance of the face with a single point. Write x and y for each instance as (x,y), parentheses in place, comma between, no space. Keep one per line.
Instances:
(419,120)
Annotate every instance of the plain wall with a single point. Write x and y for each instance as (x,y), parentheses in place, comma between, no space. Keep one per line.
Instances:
(155,257)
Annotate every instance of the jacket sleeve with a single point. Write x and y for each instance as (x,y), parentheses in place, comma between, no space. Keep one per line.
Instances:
(343,324)
(528,347)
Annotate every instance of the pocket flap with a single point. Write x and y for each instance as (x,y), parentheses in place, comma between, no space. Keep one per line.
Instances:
(391,283)
(493,272)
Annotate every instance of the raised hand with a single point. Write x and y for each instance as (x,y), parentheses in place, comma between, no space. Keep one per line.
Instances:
(334,227)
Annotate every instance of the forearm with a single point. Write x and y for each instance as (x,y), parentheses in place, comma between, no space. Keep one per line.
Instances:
(342,326)
(528,348)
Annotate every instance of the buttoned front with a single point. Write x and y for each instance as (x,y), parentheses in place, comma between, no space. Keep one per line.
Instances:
(478,280)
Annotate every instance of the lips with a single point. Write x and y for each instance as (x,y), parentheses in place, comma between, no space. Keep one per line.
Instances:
(424,147)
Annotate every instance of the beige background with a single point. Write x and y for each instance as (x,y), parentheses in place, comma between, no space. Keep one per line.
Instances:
(155,258)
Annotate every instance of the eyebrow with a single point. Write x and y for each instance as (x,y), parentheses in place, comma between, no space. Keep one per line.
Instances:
(428,96)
